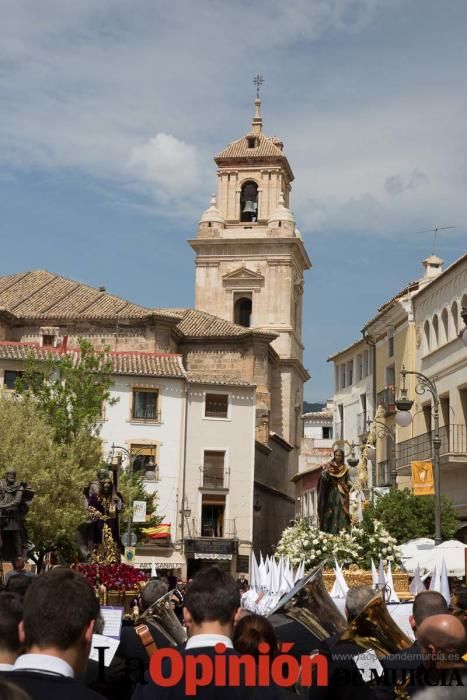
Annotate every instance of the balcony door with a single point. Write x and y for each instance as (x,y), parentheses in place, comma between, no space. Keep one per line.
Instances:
(212,516)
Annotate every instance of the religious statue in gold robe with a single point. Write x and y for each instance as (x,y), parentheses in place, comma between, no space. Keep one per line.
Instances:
(334,495)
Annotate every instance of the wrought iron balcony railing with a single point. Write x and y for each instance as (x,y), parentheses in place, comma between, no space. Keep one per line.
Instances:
(387,399)
(208,527)
(453,441)
(214,478)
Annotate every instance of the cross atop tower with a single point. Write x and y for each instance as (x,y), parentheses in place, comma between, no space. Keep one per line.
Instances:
(258,80)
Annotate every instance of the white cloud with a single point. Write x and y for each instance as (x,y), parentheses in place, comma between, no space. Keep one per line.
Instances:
(142,95)
(170,164)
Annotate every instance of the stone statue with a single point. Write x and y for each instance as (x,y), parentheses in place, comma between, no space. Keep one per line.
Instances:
(334,495)
(15,498)
(103,509)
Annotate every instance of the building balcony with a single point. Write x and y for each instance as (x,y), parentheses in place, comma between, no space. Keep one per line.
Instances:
(384,473)
(362,423)
(387,399)
(453,446)
(213,478)
(222,529)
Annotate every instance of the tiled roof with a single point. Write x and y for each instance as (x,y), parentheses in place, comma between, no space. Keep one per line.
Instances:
(200,324)
(318,415)
(41,294)
(200,378)
(148,364)
(239,149)
(346,349)
(410,287)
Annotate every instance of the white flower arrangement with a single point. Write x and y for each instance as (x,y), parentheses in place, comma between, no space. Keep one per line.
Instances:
(304,541)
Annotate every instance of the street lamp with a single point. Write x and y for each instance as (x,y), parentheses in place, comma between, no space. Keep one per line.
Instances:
(381,430)
(404,418)
(117,461)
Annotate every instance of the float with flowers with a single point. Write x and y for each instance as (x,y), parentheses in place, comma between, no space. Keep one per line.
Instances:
(357,551)
(352,551)
(115,584)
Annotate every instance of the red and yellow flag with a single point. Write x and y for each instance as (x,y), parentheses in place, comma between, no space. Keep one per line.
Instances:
(422,478)
(154,533)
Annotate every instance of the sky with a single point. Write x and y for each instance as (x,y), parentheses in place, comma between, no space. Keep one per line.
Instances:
(111,112)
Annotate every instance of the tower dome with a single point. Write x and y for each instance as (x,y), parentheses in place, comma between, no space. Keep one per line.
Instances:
(212,214)
(281,213)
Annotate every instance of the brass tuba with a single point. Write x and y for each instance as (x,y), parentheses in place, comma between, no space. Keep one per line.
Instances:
(161,616)
(310,604)
(375,629)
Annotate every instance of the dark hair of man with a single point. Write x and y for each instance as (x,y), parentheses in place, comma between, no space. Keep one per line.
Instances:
(57,608)
(11,614)
(426,604)
(19,584)
(250,631)
(461,598)
(153,590)
(212,596)
(9,691)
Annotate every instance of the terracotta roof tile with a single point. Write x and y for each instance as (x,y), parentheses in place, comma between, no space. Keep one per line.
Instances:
(41,294)
(201,378)
(318,415)
(239,149)
(202,325)
(124,363)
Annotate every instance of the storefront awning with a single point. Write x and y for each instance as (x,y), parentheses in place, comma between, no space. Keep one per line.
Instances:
(169,560)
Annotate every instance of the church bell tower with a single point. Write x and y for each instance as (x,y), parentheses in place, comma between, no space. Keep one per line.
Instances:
(250,260)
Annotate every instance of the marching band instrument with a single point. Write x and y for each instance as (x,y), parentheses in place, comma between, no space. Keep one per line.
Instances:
(161,615)
(310,604)
(375,629)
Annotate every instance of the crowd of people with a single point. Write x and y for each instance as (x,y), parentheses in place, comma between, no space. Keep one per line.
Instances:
(47,623)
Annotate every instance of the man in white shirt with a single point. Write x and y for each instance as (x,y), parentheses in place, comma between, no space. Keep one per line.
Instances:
(211,603)
(60,612)
(11,613)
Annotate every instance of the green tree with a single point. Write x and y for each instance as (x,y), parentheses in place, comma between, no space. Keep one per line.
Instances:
(407,516)
(56,472)
(70,390)
(50,433)
(132,488)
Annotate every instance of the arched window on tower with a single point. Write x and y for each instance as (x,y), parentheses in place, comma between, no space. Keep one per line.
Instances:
(249,201)
(242,311)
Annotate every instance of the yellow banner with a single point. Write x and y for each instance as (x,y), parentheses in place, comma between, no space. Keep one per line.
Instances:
(422,478)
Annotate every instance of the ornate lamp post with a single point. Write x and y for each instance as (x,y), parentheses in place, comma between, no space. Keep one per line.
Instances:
(117,461)
(383,430)
(404,418)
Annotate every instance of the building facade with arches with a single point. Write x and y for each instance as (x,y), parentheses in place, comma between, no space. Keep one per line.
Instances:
(441,355)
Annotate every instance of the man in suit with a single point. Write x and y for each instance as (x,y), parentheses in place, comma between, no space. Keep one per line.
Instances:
(60,612)
(211,603)
(11,614)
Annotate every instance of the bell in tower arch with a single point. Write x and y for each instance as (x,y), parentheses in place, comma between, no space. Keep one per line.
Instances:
(249,201)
